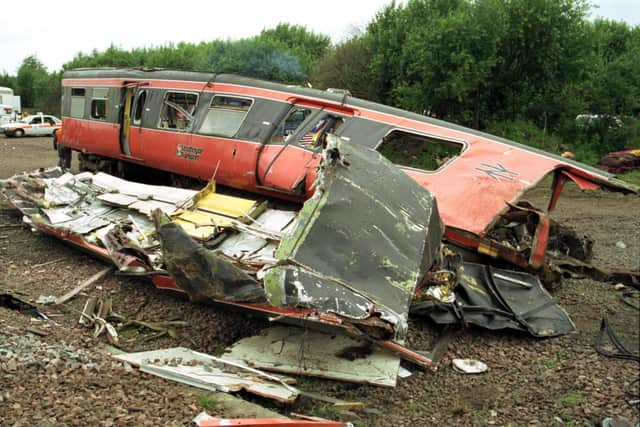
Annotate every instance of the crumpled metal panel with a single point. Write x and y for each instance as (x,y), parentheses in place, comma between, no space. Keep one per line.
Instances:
(362,243)
(200,272)
(494,298)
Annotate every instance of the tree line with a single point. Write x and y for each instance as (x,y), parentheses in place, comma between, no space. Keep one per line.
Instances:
(523,69)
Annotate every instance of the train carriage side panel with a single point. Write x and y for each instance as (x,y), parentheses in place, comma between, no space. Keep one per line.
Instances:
(90,115)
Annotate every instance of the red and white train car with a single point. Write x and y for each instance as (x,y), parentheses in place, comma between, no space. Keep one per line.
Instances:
(267,138)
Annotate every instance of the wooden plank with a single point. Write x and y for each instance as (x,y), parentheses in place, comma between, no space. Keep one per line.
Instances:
(82,286)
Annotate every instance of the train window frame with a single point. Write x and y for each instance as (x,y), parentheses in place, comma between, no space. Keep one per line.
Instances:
(188,115)
(236,128)
(99,103)
(281,135)
(462,146)
(78,102)
(138,109)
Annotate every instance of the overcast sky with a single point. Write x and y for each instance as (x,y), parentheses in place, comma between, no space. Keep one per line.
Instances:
(56,31)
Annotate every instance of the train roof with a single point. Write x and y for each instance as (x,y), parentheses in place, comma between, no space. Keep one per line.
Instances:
(341,98)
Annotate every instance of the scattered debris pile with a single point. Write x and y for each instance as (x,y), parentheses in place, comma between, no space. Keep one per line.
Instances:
(353,258)
(622,161)
(18,352)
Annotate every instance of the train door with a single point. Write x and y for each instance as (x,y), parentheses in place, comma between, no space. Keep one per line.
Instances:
(137,112)
(295,147)
(125,120)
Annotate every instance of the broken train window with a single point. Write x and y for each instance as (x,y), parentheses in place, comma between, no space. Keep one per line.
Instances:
(177,110)
(418,151)
(225,116)
(290,124)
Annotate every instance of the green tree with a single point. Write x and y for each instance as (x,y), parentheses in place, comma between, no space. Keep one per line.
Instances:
(30,73)
(7,80)
(346,67)
(308,46)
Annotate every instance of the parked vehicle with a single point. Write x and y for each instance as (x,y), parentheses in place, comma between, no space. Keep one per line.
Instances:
(9,105)
(33,125)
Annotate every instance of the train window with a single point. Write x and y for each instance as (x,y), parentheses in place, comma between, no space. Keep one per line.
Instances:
(77,102)
(225,116)
(99,109)
(139,108)
(99,103)
(418,151)
(177,110)
(290,124)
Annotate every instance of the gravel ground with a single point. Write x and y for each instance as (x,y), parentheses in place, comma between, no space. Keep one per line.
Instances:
(62,379)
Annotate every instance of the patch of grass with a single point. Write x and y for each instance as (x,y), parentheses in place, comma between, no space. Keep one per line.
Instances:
(411,407)
(632,177)
(551,362)
(323,411)
(572,399)
(208,402)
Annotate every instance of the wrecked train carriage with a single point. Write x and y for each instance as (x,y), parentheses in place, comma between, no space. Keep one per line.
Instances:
(267,138)
(322,265)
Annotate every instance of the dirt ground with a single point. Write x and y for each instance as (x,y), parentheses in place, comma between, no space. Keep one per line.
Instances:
(58,376)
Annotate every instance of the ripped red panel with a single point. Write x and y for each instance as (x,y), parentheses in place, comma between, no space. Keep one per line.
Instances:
(583,183)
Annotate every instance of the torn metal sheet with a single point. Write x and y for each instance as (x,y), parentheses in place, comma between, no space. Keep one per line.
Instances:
(298,351)
(118,199)
(361,244)
(211,373)
(494,298)
(255,249)
(112,184)
(208,212)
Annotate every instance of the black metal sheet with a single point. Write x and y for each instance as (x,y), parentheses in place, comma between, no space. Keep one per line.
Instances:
(494,298)
(366,237)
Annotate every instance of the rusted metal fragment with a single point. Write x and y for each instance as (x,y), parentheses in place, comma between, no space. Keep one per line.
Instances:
(361,244)
(571,267)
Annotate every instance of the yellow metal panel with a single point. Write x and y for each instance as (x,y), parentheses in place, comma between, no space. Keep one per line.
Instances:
(200,233)
(201,219)
(226,205)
